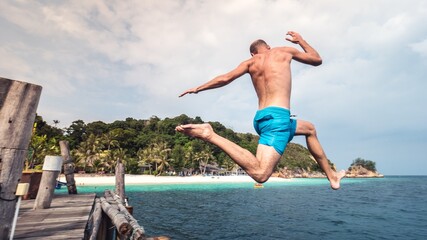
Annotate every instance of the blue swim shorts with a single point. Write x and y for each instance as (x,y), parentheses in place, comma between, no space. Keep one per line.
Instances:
(275,127)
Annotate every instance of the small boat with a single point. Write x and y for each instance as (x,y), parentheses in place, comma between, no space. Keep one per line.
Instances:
(258,185)
(59,184)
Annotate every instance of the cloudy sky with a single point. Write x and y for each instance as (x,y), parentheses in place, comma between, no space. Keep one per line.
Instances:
(109,60)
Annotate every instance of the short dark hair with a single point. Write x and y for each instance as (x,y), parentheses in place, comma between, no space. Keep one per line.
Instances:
(254,46)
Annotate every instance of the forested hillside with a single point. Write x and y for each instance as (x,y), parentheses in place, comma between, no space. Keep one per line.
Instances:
(150,146)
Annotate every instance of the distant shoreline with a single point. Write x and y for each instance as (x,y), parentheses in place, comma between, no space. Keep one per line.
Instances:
(97,179)
(131,179)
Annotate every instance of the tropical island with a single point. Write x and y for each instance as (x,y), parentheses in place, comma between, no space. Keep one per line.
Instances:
(153,147)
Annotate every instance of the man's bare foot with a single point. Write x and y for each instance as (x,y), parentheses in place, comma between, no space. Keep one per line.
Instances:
(335,182)
(203,131)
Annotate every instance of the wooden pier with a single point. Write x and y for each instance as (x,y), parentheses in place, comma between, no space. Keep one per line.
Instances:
(52,216)
(65,219)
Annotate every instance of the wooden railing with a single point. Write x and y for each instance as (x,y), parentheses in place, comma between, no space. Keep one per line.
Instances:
(111,216)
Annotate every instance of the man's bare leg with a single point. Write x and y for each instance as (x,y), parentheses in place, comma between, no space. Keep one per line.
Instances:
(259,168)
(313,145)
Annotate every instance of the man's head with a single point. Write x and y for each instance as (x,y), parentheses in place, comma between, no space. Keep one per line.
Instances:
(257,45)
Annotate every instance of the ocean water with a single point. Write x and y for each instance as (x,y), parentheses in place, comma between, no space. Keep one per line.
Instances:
(394,207)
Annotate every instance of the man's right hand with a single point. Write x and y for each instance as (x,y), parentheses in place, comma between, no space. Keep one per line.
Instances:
(294,37)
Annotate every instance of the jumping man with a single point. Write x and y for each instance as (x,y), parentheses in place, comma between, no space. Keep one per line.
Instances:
(270,71)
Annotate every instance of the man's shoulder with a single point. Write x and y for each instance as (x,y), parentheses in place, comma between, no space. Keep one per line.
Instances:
(284,52)
(284,49)
(249,61)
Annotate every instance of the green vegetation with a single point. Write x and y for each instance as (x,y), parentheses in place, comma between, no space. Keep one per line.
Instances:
(150,146)
(367,164)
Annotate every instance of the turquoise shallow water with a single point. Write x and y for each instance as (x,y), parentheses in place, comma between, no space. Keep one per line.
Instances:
(387,208)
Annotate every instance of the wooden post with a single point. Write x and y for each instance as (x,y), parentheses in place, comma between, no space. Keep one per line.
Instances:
(51,168)
(120,180)
(18,105)
(68,167)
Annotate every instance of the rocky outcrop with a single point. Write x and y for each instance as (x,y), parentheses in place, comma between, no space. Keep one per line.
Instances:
(361,172)
(299,173)
(353,172)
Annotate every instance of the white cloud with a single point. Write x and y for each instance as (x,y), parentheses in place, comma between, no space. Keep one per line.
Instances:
(104,60)
(420,47)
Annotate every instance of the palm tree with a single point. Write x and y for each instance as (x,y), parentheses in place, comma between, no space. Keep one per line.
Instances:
(163,158)
(108,161)
(109,139)
(89,151)
(36,151)
(157,153)
(229,164)
(39,147)
(188,156)
(144,158)
(55,122)
(203,158)
(97,164)
(120,154)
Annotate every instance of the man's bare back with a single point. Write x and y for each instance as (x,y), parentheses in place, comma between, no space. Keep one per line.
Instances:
(271,77)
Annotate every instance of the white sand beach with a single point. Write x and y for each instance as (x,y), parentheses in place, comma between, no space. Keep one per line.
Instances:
(90,180)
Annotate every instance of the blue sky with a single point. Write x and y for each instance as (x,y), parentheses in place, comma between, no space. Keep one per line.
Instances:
(109,60)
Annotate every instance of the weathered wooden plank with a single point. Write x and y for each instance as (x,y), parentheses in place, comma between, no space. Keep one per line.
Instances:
(65,219)
(46,230)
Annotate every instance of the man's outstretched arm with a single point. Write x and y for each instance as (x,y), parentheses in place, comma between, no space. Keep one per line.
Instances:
(220,80)
(309,56)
